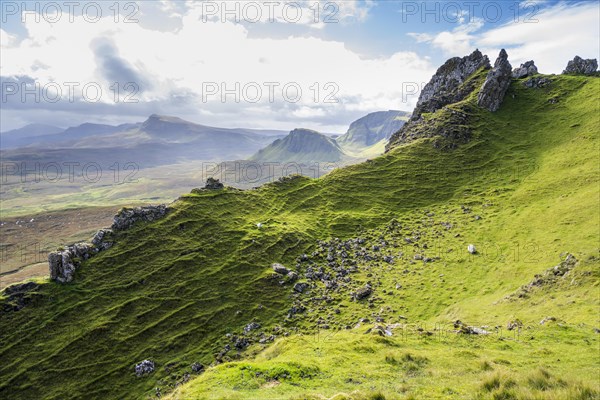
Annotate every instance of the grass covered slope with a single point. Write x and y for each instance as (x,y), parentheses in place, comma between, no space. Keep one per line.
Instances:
(172,290)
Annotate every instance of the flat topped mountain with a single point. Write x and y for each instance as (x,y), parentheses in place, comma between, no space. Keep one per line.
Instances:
(372,128)
(301,145)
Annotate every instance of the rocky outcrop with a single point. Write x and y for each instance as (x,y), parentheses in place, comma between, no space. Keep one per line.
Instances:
(446,86)
(549,277)
(126,217)
(102,239)
(579,66)
(451,83)
(496,83)
(63,263)
(525,70)
(213,184)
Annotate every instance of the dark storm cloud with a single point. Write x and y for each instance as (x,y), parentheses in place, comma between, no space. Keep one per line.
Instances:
(114,68)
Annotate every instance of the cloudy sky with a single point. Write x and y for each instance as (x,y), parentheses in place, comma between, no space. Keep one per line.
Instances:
(281,65)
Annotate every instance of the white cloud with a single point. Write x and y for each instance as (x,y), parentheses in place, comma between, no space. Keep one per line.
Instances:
(558,34)
(455,42)
(562,31)
(174,67)
(6,39)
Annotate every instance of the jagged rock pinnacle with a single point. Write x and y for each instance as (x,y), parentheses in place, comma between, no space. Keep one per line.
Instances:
(496,83)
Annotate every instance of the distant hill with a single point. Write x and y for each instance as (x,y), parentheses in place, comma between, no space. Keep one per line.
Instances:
(157,141)
(372,128)
(301,145)
(26,134)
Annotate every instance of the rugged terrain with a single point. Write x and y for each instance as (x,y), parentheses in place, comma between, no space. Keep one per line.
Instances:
(462,263)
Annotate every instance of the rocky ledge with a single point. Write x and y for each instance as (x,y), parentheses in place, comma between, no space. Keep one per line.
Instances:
(63,262)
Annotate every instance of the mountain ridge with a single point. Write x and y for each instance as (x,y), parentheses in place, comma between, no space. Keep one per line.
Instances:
(312,288)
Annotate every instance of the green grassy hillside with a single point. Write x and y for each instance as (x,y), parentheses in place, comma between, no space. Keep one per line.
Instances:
(524,190)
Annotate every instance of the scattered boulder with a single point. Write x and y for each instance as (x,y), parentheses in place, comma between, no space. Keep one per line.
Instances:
(363,292)
(213,184)
(525,70)
(496,83)
(300,287)
(241,343)
(251,326)
(145,367)
(126,217)
(469,330)
(292,276)
(280,269)
(197,367)
(579,66)
(547,319)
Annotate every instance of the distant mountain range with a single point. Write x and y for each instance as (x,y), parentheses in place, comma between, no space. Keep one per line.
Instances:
(162,140)
(365,137)
(157,141)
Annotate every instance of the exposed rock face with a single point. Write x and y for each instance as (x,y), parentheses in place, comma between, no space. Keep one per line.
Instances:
(579,66)
(63,263)
(445,86)
(213,184)
(450,84)
(525,70)
(496,84)
(129,216)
